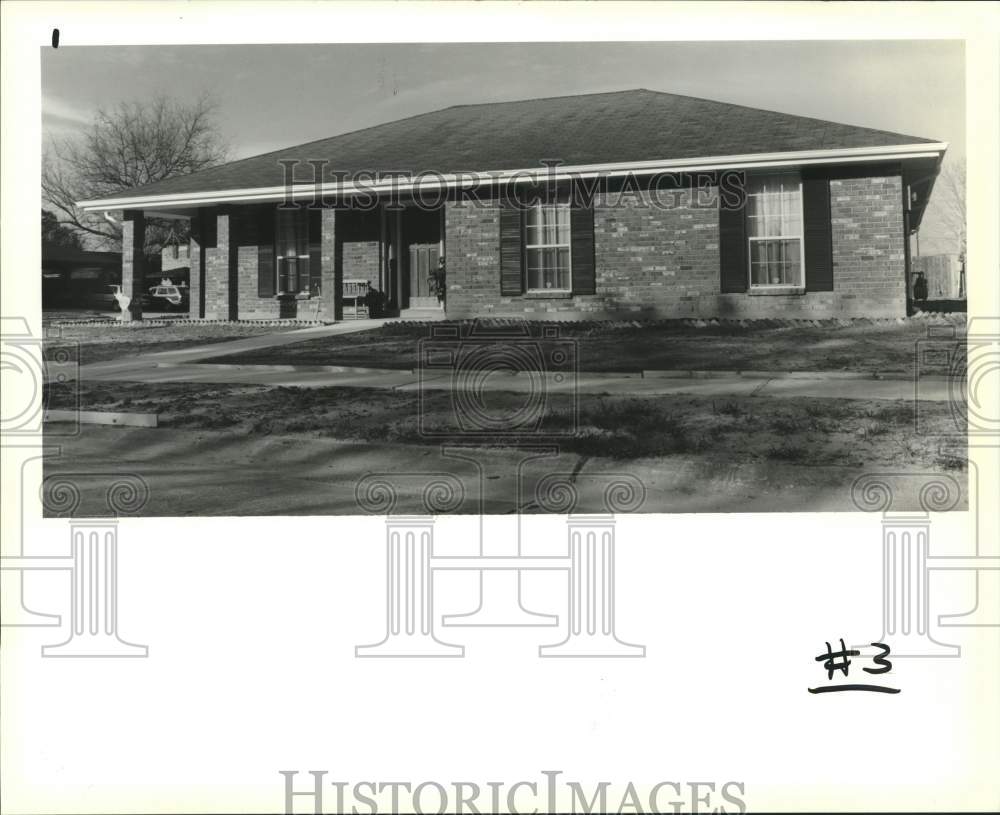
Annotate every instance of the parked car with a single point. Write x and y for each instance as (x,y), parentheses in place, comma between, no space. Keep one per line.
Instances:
(168,297)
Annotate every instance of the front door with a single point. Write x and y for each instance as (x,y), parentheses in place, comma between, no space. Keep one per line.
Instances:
(423,263)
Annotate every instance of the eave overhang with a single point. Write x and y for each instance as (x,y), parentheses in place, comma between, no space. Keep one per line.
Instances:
(164,204)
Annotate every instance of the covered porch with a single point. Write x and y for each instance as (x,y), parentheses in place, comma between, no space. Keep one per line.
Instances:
(268,260)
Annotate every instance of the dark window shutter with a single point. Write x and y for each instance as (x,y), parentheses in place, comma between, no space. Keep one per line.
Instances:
(265,253)
(581,227)
(817,234)
(511,253)
(733,248)
(315,251)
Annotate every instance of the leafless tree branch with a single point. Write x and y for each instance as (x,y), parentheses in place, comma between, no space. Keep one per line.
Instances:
(131,145)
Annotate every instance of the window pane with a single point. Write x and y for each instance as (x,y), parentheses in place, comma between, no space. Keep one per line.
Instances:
(793,250)
(774,206)
(545,233)
(548,268)
(547,236)
(303,268)
(562,269)
(291,236)
(547,226)
(563,233)
(535,269)
(776,263)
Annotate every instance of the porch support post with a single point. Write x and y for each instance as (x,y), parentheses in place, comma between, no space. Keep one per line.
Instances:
(332,274)
(397,253)
(383,249)
(133,263)
(217,267)
(196,263)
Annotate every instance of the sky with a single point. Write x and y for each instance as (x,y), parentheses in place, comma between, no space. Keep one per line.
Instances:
(273,96)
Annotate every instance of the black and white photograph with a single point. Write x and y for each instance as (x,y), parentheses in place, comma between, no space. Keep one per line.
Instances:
(748,295)
(630,370)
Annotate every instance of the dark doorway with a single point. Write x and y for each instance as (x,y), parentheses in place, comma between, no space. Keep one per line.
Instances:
(423,262)
(421,250)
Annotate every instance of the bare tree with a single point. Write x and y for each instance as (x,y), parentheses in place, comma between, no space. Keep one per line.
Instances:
(133,144)
(949,201)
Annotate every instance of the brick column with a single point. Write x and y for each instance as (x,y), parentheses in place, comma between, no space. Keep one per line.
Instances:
(332,276)
(217,270)
(133,262)
(195,261)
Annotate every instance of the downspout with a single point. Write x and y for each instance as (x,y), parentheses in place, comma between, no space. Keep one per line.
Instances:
(906,245)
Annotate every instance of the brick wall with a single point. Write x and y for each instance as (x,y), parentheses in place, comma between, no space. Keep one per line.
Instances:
(664,262)
(357,250)
(648,261)
(654,259)
(331,276)
(235,252)
(868,244)
(472,249)
(349,247)
(358,240)
(246,244)
(361,261)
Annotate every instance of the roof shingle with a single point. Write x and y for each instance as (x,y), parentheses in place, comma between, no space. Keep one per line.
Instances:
(618,127)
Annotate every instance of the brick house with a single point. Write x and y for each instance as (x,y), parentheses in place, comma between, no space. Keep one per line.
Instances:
(634,203)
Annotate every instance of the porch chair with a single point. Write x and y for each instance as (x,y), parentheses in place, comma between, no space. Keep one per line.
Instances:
(356,293)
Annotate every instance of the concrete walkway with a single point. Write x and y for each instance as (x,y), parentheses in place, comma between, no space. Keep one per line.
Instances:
(182,366)
(116,369)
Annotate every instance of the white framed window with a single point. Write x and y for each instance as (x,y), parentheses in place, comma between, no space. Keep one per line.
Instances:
(547,251)
(774,230)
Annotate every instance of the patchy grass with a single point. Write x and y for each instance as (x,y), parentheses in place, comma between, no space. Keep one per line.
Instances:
(844,432)
(860,346)
(794,453)
(99,343)
(949,463)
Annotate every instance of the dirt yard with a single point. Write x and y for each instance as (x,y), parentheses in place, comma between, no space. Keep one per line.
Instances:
(101,342)
(842,432)
(888,347)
